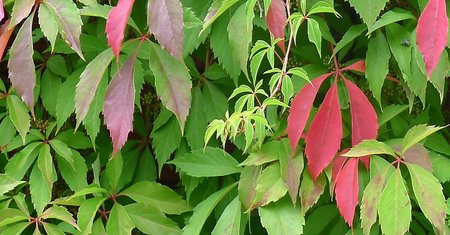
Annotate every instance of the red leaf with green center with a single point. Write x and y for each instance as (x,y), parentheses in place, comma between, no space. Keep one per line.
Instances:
(115,25)
(347,190)
(300,109)
(118,108)
(364,117)
(276,20)
(432,32)
(325,133)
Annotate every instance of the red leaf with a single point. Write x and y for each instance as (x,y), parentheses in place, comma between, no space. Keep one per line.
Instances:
(119,104)
(21,65)
(276,20)
(347,190)
(165,20)
(338,163)
(5,34)
(359,66)
(432,32)
(115,25)
(364,117)
(300,109)
(2,10)
(325,133)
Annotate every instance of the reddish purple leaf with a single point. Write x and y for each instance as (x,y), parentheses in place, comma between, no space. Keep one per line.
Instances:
(165,20)
(432,32)
(2,11)
(325,133)
(347,190)
(5,34)
(115,25)
(276,20)
(21,64)
(359,66)
(364,117)
(300,109)
(119,104)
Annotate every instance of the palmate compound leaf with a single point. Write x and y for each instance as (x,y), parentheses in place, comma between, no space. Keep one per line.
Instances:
(394,207)
(276,20)
(325,133)
(116,23)
(172,81)
(69,22)
(118,109)
(165,20)
(429,195)
(300,109)
(21,65)
(364,117)
(432,32)
(89,81)
(347,190)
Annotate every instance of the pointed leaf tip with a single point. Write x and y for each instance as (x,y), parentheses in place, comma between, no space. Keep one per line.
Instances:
(432,33)
(347,190)
(119,104)
(116,23)
(325,133)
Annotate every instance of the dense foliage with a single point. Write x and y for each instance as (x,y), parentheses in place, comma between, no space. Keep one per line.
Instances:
(224,117)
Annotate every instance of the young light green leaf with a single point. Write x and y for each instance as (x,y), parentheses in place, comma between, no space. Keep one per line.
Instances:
(69,21)
(157,196)
(89,81)
(208,162)
(7,183)
(151,221)
(394,208)
(322,7)
(369,147)
(315,35)
(418,133)
(18,114)
(282,218)
(429,195)
(119,222)
(173,82)
(229,222)
(203,210)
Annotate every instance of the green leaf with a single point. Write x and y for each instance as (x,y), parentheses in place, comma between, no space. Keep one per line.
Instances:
(65,104)
(390,112)
(311,191)
(173,82)
(196,122)
(369,147)
(69,21)
(41,189)
(157,196)
(217,9)
(429,195)
(394,208)
(57,64)
(267,153)
(247,185)
(89,82)
(75,175)
(87,212)
(166,140)
(11,215)
(151,221)
(240,35)
(441,164)
(353,32)
(203,210)
(377,64)
(282,218)
(91,189)
(16,228)
(321,7)
(371,197)
(113,171)
(62,150)
(208,162)
(440,73)
(52,229)
(392,16)
(45,164)
(270,186)
(368,10)
(119,222)
(7,183)
(291,169)
(418,133)
(315,35)
(8,131)
(229,222)
(22,161)
(60,213)
(18,114)
(50,85)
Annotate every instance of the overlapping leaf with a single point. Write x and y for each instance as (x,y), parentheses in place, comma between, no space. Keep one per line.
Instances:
(165,20)
(276,20)
(347,190)
(116,23)
(20,11)
(5,34)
